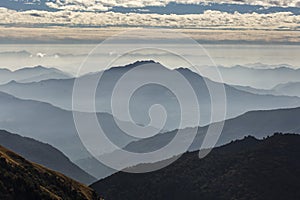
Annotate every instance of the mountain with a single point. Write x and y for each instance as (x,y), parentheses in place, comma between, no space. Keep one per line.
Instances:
(51,75)
(262,78)
(256,90)
(59,93)
(246,169)
(283,89)
(259,124)
(288,89)
(43,154)
(95,167)
(21,179)
(56,126)
(31,74)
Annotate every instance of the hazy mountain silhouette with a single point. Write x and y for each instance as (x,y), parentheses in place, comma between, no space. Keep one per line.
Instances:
(55,126)
(59,93)
(92,165)
(264,78)
(246,169)
(21,179)
(32,74)
(255,123)
(256,90)
(43,154)
(288,89)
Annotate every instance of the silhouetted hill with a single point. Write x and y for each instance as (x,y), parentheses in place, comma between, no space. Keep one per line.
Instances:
(263,77)
(286,89)
(289,89)
(247,169)
(255,90)
(55,126)
(31,74)
(21,179)
(256,123)
(43,154)
(59,93)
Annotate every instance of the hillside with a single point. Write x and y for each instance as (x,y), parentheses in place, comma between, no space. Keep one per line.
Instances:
(255,123)
(59,93)
(43,154)
(264,77)
(246,169)
(285,89)
(55,126)
(21,179)
(31,74)
(289,89)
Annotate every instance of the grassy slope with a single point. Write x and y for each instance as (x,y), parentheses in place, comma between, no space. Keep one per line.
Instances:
(21,179)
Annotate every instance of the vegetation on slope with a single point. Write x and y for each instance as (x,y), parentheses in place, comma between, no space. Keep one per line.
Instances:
(43,154)
(21,179)
(246,169)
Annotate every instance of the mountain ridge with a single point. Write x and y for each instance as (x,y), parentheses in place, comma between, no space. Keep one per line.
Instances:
(21,179)
(59,93)
(228,172)
(255,123)
(260,78)
(31,74)
(43,154)
(63,134)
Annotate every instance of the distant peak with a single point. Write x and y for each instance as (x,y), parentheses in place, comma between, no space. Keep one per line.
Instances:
(183,69)
(38,67)
(250,138)
(136,64)
(5,70)
(12,82)
(246,139)
(141,62)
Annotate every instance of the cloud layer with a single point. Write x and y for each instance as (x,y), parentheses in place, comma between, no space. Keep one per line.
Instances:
(105,5)
(209,19)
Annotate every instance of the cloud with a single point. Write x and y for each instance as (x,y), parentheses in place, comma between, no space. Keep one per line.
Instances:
(76,5)
(104,5)
(209,19)
(15,53)
(40,55)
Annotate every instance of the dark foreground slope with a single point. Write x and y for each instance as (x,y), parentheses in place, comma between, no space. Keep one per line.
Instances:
(43,154)
(245,169)
(21,179)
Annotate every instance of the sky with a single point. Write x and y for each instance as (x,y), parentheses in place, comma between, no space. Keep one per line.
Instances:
(61,33)
(65,20)
(105,5)
(69,57)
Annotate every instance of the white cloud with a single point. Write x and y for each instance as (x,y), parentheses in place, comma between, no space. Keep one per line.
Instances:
(40,55)
(209,19)
(77,5)
(104,5)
